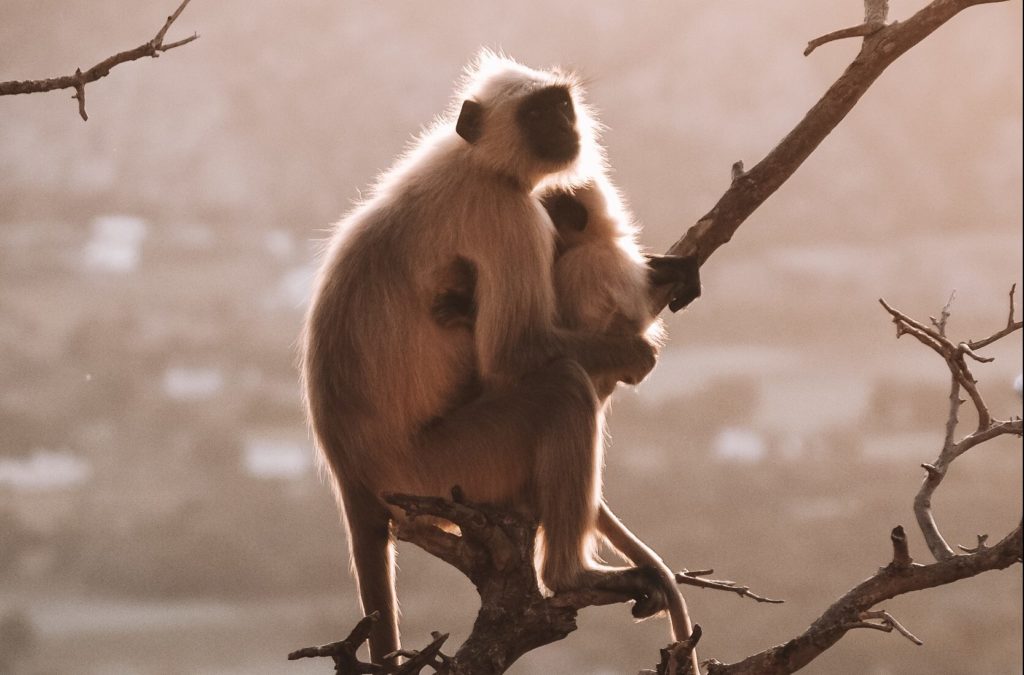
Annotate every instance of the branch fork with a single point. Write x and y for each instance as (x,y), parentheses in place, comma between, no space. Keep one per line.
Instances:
(961,379)
(152,48)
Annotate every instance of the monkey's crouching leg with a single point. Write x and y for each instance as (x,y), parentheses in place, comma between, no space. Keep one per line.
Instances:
(373,562)
(531,444)
(567,476)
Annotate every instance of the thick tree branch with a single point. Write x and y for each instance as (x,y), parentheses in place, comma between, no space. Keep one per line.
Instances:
(496,551)
(897,578)
(81,78)
(402,662)
(749,189)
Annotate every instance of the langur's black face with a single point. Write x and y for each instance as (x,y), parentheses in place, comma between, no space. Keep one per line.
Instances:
(547,121)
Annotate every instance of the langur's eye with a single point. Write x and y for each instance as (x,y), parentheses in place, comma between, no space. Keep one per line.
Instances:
(534,113)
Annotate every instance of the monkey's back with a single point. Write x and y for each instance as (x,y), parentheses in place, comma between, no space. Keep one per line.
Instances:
(376,365)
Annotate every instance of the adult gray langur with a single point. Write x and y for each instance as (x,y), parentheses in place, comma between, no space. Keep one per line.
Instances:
(511,415)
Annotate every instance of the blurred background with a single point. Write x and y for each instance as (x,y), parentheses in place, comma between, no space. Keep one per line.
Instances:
(160,511)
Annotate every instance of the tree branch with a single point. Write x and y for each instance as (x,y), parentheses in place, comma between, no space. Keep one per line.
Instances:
(961,379)
(695,578)
(897,578)
(346,663)
(78,81)
(749,189)
(496,552)
(902,575)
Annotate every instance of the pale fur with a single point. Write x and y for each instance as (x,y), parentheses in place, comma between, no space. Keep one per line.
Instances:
(385,386)
(602,285)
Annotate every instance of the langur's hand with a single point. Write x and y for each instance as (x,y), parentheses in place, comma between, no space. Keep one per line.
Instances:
(643,357)
(682,273)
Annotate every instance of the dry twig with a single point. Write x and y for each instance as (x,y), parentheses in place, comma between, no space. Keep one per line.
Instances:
(749,189)
(346,663)
(902,575)
(81,78)
(961,379)
(849,611)
(695,578)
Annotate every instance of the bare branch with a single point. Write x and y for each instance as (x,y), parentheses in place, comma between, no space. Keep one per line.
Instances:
(515,618)
(875,14)
(496,551)
(903,575)
(846,613)
(982,538)
(961,379)
(694,579)
(344,651)
(78,81)
(1011,326)
(861,30)
(901,559)
(876,11)
(346,663)
(743,197)
(940,324)
(888,624)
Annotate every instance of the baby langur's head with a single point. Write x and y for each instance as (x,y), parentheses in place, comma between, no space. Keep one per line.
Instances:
(591,212)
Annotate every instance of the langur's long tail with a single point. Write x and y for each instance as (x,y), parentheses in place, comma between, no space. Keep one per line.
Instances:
(619,536)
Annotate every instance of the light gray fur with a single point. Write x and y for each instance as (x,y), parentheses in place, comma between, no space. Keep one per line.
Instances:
(602,285)
(385,385)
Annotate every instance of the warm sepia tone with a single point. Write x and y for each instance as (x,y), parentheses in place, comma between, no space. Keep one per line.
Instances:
(159,508)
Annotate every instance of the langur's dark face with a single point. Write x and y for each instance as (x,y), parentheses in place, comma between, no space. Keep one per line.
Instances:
(547,121)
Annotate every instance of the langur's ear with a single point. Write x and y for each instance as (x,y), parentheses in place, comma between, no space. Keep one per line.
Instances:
(471,121)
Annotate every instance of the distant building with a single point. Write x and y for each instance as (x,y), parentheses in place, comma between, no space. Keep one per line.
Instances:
(192,383)
(43,470)
(115,244)
(281,454)
(734,444)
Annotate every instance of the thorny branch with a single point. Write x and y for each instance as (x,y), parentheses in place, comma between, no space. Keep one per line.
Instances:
(81,78)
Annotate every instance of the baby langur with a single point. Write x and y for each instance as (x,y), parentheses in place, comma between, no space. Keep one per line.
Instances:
(603,284)
(602,281)
(510,415)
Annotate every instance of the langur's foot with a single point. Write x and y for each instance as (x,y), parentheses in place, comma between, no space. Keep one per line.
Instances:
(643,584)
(681,272)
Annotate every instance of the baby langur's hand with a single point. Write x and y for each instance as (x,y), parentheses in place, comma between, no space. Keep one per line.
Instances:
(645,356)
(680,272)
